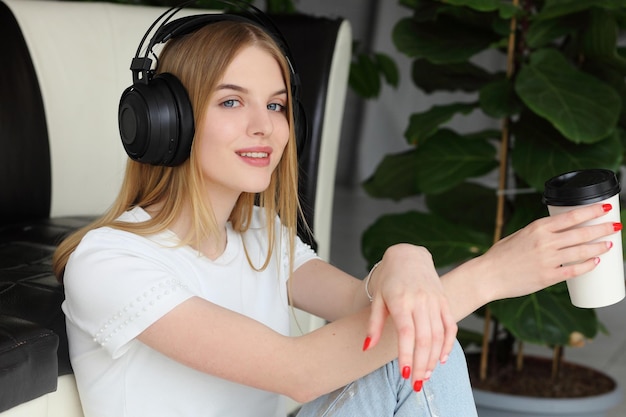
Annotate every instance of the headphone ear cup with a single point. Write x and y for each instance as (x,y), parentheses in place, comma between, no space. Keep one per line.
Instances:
(156,121)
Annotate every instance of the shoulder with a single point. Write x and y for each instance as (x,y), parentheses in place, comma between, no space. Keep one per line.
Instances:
(113,237)
(111,248)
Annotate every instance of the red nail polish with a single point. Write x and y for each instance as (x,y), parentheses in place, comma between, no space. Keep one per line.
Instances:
(607,207)
(406,372)
(417,386)
(617,227)
(366,343)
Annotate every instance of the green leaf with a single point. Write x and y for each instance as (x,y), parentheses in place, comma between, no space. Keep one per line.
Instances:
(600,38)
(463,76)
(366,71)
(621,133)
(441,42)
(615,77)
(580,106)
(557,8)
(388,68)
(543,32)
(480,5)
(425,124)
(546,317)
(478,205)
(394,177)
(447,242)
(599,41)
(423,10)
(506,9)
(498,99)
(447,159)
(528,206)
(280,6)
(540,152)
(364,78)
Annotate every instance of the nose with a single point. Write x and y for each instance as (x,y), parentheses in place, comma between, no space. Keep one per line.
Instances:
(260,122)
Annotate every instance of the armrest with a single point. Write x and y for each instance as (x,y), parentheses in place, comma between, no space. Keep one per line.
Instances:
(28,365)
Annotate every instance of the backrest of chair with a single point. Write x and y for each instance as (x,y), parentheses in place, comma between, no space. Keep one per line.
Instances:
(321,48)
(24,154)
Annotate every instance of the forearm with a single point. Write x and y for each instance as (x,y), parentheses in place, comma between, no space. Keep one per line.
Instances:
(333,355)
(242,350)
(467,288)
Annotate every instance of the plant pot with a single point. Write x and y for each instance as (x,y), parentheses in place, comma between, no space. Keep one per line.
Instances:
(557,402)
(490,404)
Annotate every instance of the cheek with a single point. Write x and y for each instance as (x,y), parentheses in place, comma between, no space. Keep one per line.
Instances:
(210,138)
(204,145)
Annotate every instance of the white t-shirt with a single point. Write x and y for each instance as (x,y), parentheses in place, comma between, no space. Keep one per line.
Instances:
(119,283)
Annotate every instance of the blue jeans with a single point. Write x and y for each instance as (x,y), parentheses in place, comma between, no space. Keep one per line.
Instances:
(385,393)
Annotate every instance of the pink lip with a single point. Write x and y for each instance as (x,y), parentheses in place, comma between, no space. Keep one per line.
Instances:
(258,156)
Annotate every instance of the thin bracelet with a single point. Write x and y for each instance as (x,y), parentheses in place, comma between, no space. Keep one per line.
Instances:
(367,281)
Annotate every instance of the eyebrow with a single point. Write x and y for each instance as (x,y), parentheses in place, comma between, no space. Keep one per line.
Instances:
(244,90)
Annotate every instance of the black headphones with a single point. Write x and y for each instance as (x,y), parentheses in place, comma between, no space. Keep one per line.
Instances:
(155,116)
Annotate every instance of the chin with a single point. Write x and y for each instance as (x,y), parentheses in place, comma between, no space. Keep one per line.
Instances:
(257,188)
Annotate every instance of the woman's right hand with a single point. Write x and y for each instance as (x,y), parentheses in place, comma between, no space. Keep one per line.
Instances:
(548,251)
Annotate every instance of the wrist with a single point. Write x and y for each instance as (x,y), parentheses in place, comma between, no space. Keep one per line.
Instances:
(468,288)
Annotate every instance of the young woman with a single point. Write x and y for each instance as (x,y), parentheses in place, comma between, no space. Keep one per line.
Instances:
(178,299)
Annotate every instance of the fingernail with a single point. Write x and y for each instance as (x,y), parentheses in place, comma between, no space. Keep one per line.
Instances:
(417,386)
(609,244)
(607,207)
(596,260)
(406,372)
(427,375)
(617,227)
(444,359)
(366,343)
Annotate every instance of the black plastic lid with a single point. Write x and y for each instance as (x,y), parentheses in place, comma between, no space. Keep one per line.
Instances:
(581,187)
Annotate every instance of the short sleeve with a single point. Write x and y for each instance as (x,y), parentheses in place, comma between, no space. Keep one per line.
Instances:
(117,284)
(303,253)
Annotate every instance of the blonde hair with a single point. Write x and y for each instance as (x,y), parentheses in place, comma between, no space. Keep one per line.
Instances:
(199,60)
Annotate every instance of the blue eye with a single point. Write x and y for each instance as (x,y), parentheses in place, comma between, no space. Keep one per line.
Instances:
(275,107)
(230,103)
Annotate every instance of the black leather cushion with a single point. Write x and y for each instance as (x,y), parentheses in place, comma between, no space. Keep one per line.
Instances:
(28,366)
(28,289)
(33,340)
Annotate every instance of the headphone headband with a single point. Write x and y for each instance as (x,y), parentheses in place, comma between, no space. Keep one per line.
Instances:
(184,25)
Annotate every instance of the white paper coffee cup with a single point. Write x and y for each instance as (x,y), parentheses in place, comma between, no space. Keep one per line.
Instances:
(604,285)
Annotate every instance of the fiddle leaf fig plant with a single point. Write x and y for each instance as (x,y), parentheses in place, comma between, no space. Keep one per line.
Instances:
(558,101)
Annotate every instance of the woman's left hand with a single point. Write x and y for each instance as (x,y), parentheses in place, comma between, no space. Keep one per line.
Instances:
(407,288)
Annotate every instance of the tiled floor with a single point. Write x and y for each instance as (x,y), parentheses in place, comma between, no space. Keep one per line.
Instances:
(354,211)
